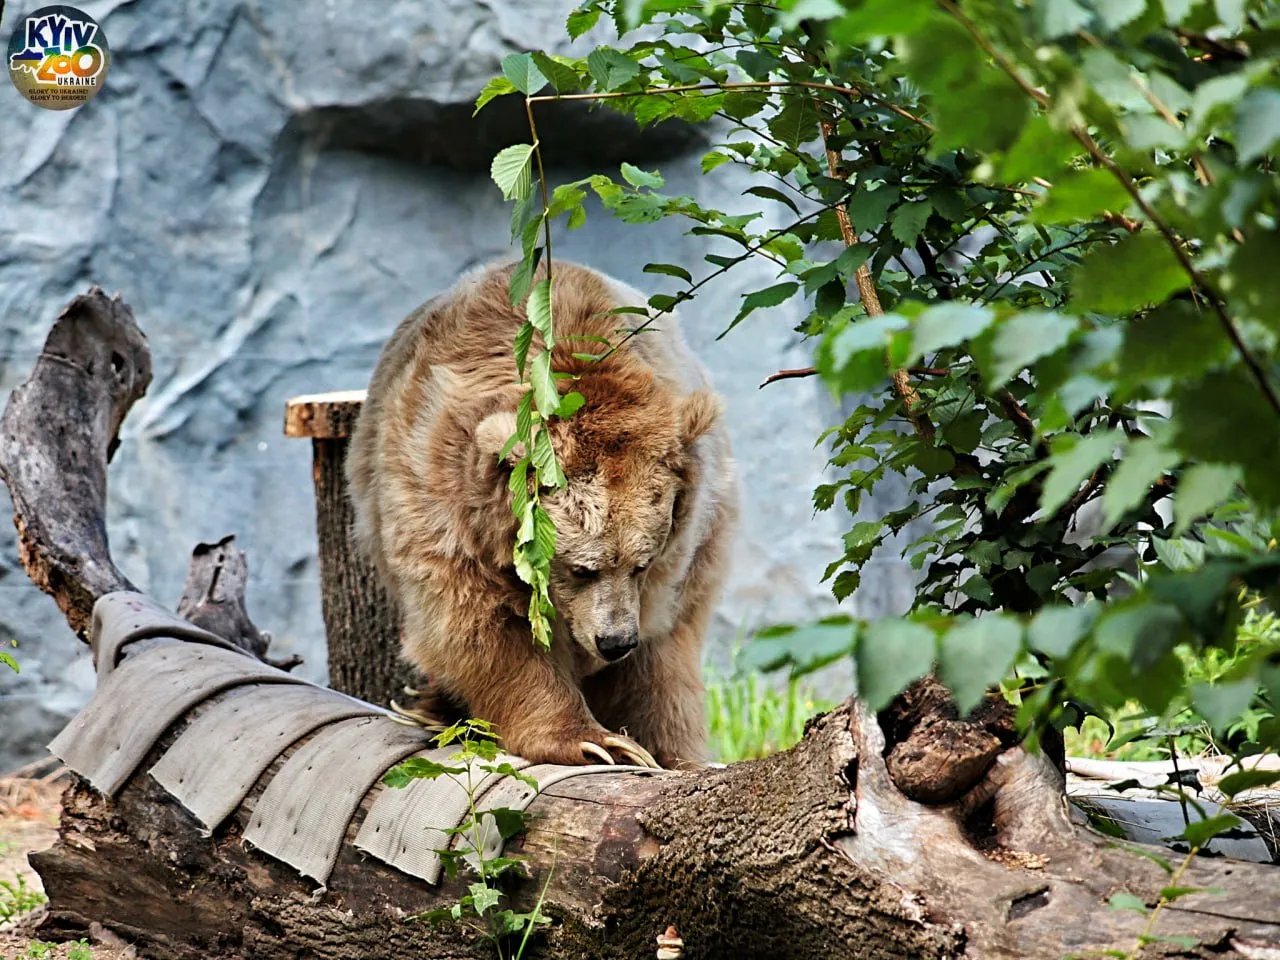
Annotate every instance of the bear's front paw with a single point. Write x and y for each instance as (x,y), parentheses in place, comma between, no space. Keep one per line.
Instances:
(584,745)
(605,744)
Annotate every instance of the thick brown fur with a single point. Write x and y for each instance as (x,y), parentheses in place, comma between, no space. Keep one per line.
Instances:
(643,525)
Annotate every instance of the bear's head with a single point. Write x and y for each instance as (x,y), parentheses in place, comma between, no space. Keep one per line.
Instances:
(629,457)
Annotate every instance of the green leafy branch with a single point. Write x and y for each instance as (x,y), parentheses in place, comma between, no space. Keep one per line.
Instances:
(477,752)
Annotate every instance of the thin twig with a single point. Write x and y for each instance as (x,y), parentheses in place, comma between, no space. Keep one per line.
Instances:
(793,374)
(685,295)
(542,181)
(868,294)
(743,85)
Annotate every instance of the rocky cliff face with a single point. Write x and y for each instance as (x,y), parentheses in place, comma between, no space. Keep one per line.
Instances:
(272,186)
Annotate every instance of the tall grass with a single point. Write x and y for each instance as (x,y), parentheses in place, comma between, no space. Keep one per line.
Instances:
(750,717)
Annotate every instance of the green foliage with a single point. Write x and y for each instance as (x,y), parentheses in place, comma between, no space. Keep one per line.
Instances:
(40,950)
(17,898)
(477,756)
(1073,358)
(8,659)
(749,717)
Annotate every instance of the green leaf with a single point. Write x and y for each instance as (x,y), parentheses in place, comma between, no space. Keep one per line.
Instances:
(611,69)
(1253,280)
(889,655)
(1080,195)
(976,654)
(1223,703)
(815,10)
(1074,459)
(1018,342)
(1116,13)
(1201,488)
(570,404)
(777,196)
(562,77)
(768,297)
(640,178)
(1055,631)
(796,122)
(1137,271)
(545,396)
(483,897)
(539,311)
(496,87)
(1202,831)
(1242,780)
(512,171)
(943,59)
(713,159)
(1257,124)
(523,73)
(1058,17)
(418,768)
(1145,461)
(524,338)
(670,270)
(1177,339)
(947,325)
(580,21)
(881,18)
(1224,418)
(8,660)
(1127,901)
(908,221)
(868,208)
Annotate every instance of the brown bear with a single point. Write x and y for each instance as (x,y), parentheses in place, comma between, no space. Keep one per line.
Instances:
(642,527)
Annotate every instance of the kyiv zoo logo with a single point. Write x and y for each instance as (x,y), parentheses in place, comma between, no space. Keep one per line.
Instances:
(58,57)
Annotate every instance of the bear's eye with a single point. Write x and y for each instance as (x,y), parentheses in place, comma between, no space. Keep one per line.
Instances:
(583,573)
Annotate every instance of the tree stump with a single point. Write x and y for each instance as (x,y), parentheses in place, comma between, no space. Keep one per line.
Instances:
(362,624)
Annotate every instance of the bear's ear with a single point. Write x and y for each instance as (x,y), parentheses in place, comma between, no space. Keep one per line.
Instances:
(493,432)
(699,412)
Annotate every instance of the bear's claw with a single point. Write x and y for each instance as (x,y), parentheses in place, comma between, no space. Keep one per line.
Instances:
(628,748)
(412,718)
(591,749)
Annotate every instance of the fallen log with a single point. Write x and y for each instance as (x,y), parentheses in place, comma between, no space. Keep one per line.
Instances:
(812,853)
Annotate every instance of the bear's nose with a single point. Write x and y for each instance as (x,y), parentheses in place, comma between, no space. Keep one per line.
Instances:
(615,646)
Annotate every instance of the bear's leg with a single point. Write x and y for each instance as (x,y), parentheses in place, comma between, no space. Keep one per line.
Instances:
(483,656)
(656,697)
(656,694)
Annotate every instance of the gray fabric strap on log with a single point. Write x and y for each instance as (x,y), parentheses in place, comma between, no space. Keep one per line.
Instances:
(139,700)
(408,826)
(303,815)
(123,617)
(213,765)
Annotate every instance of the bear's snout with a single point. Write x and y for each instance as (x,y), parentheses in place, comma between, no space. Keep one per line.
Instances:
(615,646)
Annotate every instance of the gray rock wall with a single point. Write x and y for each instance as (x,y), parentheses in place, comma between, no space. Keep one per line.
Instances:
(272,186)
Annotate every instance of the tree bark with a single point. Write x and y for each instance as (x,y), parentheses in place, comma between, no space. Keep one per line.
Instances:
(812,853)
(362,624)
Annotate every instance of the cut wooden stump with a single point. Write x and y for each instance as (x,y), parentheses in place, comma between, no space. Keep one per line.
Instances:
(362,624)
(811,853)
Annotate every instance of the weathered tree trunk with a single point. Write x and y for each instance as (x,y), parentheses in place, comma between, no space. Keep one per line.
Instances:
(362,624)
(812,853)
